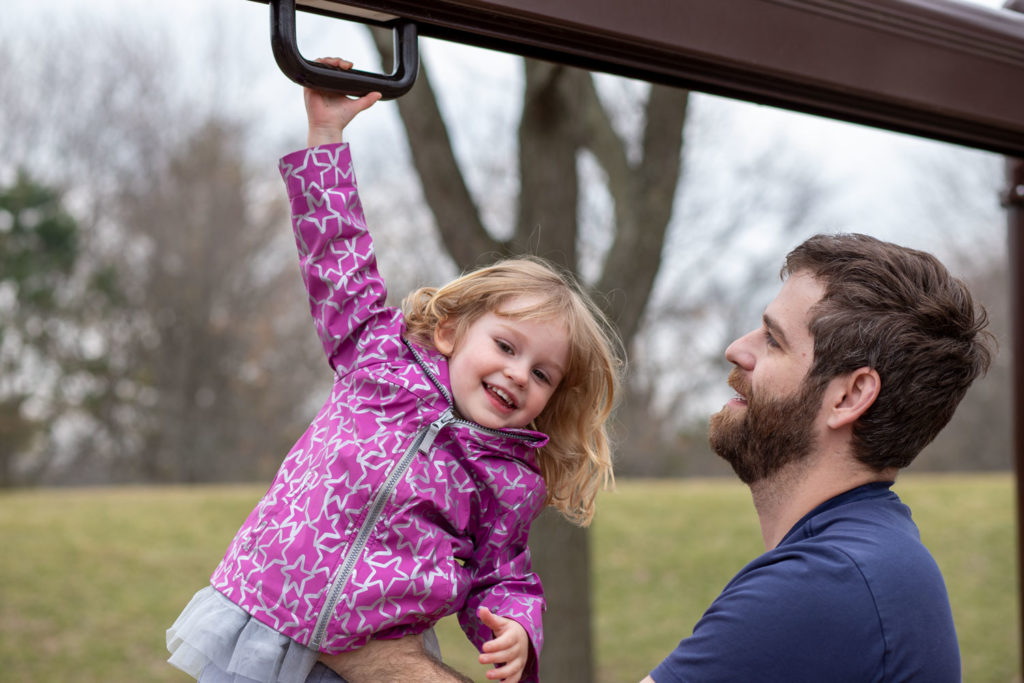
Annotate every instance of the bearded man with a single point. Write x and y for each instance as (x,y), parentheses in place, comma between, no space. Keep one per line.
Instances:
(858,364)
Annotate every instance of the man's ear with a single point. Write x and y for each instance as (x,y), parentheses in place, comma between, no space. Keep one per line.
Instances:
(444,336)
(851,395)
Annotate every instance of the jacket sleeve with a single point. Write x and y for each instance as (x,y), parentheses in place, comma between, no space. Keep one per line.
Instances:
(504,581)
(336,255)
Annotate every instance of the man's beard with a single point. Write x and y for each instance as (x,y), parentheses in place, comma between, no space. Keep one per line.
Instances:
(771,433)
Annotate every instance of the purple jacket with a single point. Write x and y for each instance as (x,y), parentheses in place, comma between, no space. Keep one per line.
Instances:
(389,512)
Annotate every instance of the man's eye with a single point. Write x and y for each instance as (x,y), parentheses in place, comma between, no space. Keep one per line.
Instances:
(770,340)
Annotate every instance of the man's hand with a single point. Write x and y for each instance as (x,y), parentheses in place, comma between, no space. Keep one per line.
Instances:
(329,113)
(392,661)
(510,648)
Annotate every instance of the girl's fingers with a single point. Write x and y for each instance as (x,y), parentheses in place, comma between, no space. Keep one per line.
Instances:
(335,62)
(509,672)
(496,657)
(490,619)
(502,643)
(367,101)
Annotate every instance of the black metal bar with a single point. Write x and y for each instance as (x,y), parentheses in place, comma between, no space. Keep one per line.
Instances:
(351,82)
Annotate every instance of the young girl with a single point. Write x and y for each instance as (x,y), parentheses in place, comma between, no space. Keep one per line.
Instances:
(451,424)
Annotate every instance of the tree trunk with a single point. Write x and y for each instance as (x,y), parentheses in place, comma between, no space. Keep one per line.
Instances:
(549,142)
(457,216)
(561,557)
(561,116)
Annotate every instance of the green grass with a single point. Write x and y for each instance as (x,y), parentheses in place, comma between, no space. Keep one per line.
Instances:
(89,579)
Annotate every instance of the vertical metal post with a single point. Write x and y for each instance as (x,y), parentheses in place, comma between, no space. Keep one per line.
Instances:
(1013,200)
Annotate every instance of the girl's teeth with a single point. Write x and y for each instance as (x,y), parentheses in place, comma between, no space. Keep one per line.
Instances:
(503,396)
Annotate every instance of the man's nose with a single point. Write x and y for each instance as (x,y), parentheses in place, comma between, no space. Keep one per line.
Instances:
(740,353)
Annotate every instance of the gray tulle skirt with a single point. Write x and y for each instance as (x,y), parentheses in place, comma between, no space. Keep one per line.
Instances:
(216,641)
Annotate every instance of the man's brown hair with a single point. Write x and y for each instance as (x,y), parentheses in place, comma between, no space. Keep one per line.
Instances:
(899,311)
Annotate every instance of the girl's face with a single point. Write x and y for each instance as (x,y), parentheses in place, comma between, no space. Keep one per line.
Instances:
(503,371)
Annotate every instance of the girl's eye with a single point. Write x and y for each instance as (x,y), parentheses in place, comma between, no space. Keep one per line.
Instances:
(504,346)
(539,374)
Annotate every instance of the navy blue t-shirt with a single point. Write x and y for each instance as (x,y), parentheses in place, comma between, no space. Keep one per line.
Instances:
(850,594)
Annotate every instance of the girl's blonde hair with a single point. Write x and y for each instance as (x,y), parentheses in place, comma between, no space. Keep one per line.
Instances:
(576,462)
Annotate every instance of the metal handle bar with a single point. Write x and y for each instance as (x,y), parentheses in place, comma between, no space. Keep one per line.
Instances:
(353,81)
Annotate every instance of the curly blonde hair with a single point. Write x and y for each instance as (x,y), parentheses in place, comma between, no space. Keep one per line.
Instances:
(576,463)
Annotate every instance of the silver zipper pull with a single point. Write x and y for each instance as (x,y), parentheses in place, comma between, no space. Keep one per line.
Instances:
(436,426)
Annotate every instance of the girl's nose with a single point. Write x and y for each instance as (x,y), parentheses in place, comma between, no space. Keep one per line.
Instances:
(740,352)
(517,372)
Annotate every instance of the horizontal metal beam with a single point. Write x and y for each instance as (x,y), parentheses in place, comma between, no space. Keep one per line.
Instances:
(935,68)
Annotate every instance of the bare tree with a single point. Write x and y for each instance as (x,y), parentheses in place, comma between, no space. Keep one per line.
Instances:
(566,134)
(562,115)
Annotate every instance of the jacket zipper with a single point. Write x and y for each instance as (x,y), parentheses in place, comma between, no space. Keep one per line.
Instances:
(422,442)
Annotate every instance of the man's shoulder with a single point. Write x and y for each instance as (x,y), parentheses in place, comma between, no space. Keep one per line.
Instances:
(876,535)
(853,599)
(844,558)
(776,606)
(807,573)
(871,567)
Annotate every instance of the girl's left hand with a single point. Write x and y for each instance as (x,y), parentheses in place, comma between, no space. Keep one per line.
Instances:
(509,650)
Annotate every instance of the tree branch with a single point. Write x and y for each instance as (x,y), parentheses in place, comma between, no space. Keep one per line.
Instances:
(608,148)
(549,141)
(635,256)
(457,216)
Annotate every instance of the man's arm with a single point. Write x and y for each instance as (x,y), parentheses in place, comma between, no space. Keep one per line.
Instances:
(391,661)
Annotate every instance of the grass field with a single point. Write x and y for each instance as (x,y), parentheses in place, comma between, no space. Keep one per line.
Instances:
(90,578)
